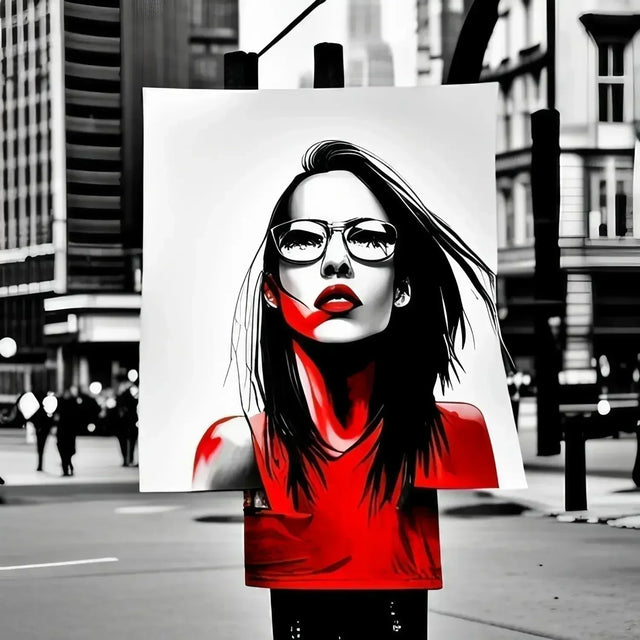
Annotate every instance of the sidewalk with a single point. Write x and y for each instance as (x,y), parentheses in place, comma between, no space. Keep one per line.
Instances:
(97,461)
(612,496)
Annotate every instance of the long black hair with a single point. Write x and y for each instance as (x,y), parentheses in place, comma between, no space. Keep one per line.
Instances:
(415,352)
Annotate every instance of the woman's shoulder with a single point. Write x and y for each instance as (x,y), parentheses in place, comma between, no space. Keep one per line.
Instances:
(224,458)
(231,429)
(465,459)
(462,415)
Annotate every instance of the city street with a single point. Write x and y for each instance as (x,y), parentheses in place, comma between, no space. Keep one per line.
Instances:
(170,566)
(452,199)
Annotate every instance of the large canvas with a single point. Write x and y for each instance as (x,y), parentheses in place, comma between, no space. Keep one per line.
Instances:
(216,165)
(319,325)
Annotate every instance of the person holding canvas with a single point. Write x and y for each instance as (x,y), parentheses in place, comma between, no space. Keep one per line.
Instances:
(355,318)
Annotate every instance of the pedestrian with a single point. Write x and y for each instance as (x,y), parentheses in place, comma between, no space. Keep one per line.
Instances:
(34,410)
(88,412)
(111,424)
(355,320)
(68,418)
(43,422)
(127,429)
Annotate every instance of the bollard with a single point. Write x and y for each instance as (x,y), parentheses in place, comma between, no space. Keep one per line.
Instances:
(240,70)
(575,472)
(328,67)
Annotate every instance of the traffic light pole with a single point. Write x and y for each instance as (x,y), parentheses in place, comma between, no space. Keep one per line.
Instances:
(548,280)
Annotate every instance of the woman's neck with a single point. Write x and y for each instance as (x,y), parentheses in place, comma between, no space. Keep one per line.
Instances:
(338,383)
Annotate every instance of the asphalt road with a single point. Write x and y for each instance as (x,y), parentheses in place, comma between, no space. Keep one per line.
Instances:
(170,566)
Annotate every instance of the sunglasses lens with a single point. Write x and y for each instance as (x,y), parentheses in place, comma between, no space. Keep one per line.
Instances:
(300,240)
(371,240)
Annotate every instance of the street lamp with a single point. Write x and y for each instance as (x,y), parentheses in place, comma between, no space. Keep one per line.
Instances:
(50,404)
(95,388)
(8,347)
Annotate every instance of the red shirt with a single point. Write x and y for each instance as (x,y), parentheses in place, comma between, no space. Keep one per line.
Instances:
(337,541)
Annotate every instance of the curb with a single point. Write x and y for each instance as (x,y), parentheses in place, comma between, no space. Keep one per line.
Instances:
(623,519)
(620,522)
(8,493)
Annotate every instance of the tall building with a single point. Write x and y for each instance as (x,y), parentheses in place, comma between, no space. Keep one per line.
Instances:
(71,230)
(582,58)
(369,59)
(32,188)
(519,59)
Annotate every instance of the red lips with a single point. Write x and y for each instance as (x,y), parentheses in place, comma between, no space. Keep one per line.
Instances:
(337,299)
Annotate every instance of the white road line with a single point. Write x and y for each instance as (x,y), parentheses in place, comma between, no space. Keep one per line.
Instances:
(58,564)
(146,509)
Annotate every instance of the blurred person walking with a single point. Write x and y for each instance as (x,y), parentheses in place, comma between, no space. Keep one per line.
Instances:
(112,425)
(68,418)
(127,428)
(33,411)
(43,422)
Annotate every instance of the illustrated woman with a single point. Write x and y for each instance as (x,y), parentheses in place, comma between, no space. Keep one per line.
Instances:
(355,318)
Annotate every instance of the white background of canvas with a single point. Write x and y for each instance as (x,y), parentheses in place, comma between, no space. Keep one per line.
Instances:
(215,164)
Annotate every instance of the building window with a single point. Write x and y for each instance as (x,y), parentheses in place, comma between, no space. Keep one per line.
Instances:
(508,119)
(504,24)
(525,111)
(207,65)
(611,81)
(602,207)
(221,15)
(507,34)
(611,32)
(528,23)
(206,71)
(528,211)
(509,216)
(611,202)
(623,204)
(197,13)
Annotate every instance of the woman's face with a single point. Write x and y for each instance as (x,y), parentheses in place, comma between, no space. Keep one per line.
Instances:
(337,298)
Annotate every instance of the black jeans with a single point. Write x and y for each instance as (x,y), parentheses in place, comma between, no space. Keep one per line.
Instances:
(349,615)
(41,441)
(66,449)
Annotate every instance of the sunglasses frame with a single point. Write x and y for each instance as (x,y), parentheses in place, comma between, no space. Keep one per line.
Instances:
(330,228)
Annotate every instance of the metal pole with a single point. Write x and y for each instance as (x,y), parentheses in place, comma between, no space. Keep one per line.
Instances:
(291,26)
(466,63)
(328,68)
(551,53)
(240,70)
(575,470)
(548,281)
